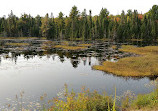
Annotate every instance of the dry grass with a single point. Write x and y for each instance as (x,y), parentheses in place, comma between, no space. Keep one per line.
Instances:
(17,44)
(144,65)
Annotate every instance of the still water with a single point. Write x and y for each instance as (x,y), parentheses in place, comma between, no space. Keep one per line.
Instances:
(36,75)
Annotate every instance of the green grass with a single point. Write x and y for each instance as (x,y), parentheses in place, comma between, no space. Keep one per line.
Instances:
(144,65)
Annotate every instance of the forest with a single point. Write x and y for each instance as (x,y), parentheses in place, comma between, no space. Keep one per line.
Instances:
(130,25)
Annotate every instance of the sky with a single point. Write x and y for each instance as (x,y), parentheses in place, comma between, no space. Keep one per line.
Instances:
(41,7)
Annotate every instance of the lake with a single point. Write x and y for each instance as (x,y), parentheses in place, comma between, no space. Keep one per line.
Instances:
(41,73)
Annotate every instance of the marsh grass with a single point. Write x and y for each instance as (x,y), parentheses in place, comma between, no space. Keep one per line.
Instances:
(17,44)
(114,46)
(148,50)
(47,44)
(84,101)
(141,102)
(93,101)
(144,65)
(64,45)
(84,45)
(70,47)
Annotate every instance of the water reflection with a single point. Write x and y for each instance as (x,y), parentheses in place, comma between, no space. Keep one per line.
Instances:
(37,73)
(75,59)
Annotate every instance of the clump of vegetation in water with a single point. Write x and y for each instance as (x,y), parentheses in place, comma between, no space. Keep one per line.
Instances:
(47,44)
(70,47)
(84,101)
(17,44)
(114,46)
(66,45)
(144,65)
(85,45)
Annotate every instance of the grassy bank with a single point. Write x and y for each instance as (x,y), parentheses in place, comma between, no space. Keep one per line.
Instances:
(87,100)
(92,101)
(84,101)
(144,65)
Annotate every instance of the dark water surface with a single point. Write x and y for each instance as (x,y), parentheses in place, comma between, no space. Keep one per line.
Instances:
(36,75)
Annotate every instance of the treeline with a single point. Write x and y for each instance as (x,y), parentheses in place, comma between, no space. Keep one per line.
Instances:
(83,26)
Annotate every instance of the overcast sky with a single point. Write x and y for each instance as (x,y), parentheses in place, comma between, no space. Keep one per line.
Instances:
(42,7)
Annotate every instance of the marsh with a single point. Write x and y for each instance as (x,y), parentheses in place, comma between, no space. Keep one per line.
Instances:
(46,71)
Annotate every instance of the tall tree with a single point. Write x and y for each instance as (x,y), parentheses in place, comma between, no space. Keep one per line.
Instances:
(45,27)
(61,25)
(103,22)
(74,15)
